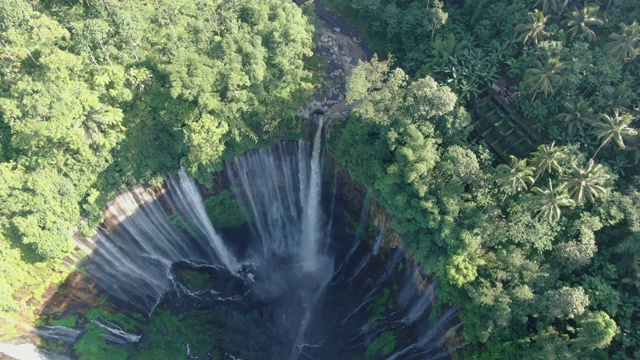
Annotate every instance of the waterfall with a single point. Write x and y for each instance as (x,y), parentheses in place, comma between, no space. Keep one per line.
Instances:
(62,333)
(283,191)
(131,259)
(115,333)
(190,202)
(28,352)
(275,272)
(378,243)
(268,187)
(311,230)
(286,216)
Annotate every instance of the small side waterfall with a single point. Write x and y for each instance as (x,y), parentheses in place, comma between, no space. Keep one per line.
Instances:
(378,242)
(62,333)
(188,203)
(132,258)
(115,333)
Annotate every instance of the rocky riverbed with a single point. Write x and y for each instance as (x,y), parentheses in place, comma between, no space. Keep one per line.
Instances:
(340,47)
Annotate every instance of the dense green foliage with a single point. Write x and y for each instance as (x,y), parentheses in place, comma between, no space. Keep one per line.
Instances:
(541,255)
(93,346)
(224,211)
(98,95)
(201,331)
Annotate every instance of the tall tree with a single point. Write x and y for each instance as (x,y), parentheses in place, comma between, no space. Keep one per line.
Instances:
(580,22)
(515,177)
(548,158)
(611,128)
(565,303)
(576,115)
(377,90)
(544,78)
(548,201)
(595,330)
(586,182)
(435,17)
(533,31)
(624,46)
(547,5)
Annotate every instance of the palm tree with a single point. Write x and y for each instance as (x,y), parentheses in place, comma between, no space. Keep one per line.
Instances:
(576,113)
(563,6)
(499,51)
(634,279)
(534,31)
(547,158)
(549,200)
(445,49)
(551,5)
(620,162)
(586,182)
(613,128)
(139,78)
(480,65)
(542,78)
(547,5)
(101,127)
(515,177)
(619,97)
(624,46)
(579,22)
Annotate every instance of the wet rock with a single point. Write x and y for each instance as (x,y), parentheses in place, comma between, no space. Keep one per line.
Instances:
(309,108)
(303,113)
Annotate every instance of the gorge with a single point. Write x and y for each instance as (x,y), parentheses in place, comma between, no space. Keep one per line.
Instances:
(321,291)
